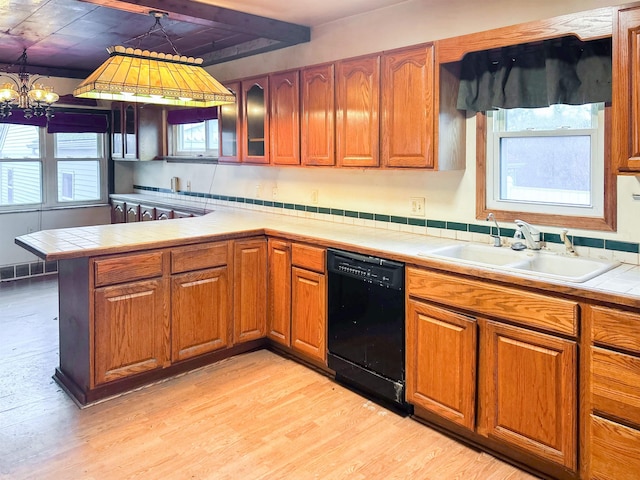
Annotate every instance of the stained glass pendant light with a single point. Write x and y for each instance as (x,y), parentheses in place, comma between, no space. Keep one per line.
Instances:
(136,75)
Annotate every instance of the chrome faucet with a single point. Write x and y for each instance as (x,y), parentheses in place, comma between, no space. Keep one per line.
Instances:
(568,242)
(531,235)
(497,241)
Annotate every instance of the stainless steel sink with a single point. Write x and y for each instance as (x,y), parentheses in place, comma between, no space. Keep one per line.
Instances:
(539,263)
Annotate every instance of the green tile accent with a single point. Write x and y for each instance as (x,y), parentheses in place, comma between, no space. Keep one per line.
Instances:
(507,232)
(246,200)
(312,209)
(436,224)
(324,210)
(366,216)
(417,222)
(278,204)
(381,218)
(551,237)
(401,220)
(289,206)
(351,214)
(337,211)
(258,202)
(480,228)
(460,227)
(621,246)
(588,242)
(299,207)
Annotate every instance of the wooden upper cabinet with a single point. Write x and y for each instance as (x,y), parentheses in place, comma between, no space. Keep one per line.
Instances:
(408,107)
(284,97)
(318,115)
(255,120)
(626,91)
(229,125)
(357,107)
(528,391)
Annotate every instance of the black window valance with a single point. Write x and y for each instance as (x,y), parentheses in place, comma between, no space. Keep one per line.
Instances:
(540,74)
(71,122)
(191,115)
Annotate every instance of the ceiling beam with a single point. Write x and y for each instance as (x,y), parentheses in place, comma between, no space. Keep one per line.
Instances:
(242,50)
(45,71)
(211,15)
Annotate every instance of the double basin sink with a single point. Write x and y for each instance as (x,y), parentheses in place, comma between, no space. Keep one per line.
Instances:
(539,263)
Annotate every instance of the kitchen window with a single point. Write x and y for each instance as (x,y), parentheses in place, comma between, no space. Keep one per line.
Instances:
(40,169)
(198,139)
(546,160)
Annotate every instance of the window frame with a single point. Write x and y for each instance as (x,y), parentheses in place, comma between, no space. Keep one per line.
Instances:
(211,134)
(605,222)
(48,163)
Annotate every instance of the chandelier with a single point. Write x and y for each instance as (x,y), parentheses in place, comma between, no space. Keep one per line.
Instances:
(134,75)
(34,99)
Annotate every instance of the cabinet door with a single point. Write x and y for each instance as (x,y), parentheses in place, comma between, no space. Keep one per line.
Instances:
(285,118)
(407,108)
(249,290)
(309,313)
(133,213)
(441,362)
(626,91)
(357,106)
(614,450)
(117,131)
(147,214)
(164,213)
(255,121)
(528,390)
(229,125)
(131,330)
(151,131)
(200,308)
(279,292)
(130,126)
(318,115)
(118,211)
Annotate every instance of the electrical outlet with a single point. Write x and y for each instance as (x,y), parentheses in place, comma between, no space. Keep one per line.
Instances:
(258,191)
(188,185)
(274,193)
(417,206)
(314,197)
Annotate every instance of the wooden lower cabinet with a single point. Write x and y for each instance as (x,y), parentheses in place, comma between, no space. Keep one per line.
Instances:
(279,292)
(200,312)
(131,329)
(528,391)
(309,313)
(441,362)
(249,290)
(614,450)
(612,369)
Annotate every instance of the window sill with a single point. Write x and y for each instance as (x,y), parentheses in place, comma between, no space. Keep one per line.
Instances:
(185,159)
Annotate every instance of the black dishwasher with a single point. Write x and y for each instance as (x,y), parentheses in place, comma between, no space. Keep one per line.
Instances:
(366,310)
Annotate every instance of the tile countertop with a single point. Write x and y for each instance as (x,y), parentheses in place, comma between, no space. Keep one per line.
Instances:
(620,285)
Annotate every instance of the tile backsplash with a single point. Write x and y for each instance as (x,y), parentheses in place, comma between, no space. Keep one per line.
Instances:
(627,252)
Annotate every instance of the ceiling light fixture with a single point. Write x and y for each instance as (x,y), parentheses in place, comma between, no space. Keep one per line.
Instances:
(134,75)
(34,99)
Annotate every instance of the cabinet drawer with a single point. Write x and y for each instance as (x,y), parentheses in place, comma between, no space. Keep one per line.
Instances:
(527,308)
(616,328)
(614,450)
(197,257)
(614,384)
(126,268)
(306,256)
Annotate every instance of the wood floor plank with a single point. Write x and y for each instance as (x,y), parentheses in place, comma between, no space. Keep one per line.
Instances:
(254,416)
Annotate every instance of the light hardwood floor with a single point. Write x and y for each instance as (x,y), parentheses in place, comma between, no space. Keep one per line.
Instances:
(255,416)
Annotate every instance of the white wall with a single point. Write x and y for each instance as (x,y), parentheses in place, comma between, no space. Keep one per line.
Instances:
(449,195)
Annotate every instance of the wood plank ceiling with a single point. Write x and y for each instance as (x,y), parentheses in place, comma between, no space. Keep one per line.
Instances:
(68,38)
